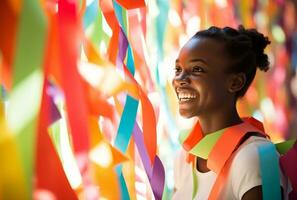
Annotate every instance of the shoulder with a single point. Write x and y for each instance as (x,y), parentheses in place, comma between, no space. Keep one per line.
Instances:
(248,151)
(245,167)
(244,171)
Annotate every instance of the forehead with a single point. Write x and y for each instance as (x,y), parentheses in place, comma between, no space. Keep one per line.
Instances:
(207,49)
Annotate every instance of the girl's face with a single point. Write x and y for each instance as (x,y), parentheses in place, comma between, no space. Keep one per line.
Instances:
(201,81)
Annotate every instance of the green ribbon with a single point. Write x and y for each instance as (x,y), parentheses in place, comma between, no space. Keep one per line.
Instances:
(195,181)
(202,150)
(205,145)
(183,134)
(24,99)
(283,147)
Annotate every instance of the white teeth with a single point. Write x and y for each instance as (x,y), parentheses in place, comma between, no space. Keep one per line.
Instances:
(186,96)
(184,100)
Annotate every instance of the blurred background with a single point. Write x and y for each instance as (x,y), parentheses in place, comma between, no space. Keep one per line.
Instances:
(40,42)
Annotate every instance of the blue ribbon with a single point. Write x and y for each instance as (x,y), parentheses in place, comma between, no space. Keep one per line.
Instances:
(130,109)
(90,14)
(119,14)
(126,124)
(269,169)
(124,190)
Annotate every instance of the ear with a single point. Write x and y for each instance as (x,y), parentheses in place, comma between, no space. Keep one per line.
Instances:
(236,82)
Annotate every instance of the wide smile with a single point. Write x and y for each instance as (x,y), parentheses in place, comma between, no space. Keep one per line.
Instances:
(186,96)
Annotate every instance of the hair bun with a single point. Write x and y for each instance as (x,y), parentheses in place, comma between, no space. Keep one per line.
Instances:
(259,43)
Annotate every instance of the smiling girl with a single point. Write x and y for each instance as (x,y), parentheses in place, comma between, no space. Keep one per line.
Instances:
(213,70)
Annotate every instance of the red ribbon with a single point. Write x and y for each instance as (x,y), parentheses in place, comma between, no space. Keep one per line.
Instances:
(50,175)
(131,4)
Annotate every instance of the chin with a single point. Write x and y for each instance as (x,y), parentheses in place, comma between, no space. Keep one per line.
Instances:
(187,113)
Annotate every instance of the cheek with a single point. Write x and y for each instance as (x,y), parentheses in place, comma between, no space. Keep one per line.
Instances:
(210,93)
(173,82)
(219,92)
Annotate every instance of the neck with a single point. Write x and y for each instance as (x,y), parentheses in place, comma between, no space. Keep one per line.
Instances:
(219,120)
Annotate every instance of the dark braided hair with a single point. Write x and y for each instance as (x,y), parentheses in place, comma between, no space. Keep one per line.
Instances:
(245,48)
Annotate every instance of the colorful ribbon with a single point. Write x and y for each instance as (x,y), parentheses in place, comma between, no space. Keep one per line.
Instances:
(218,147)
(27,76)
(149,133)
(156,174)
(269,170)
(128,117)
(131,4)
(50,176)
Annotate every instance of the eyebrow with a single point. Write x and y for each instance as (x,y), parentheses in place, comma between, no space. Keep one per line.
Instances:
(195,60)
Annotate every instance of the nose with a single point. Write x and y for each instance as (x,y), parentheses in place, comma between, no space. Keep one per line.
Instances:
(181,79)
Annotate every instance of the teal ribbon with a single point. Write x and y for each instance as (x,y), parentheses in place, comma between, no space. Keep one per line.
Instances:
(130,109)
(121,15)
(126,124)
(124,189)
(90,14)
(124,135)
(130,61)
(269,169)
(161,23)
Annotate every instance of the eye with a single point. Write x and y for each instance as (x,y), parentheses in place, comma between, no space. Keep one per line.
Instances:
(177,70)
(198,69)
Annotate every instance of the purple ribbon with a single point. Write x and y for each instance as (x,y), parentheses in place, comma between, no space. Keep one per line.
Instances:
(156,174)
(52,92)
